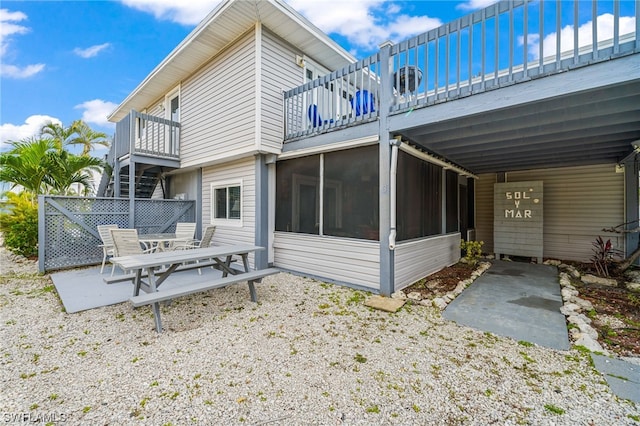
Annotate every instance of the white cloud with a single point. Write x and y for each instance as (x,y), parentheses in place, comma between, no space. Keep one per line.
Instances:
(8,28)
(92,51)
(13,71)
(355,20)
(585,35)
(96,112)
(184,12)
(475,4)
(30,127)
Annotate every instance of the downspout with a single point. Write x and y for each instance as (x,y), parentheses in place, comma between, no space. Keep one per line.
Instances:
(393,190)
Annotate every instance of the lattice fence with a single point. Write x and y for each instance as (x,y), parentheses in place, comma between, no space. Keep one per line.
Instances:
(68,234)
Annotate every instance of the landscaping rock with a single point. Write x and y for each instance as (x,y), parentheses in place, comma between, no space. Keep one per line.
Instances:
(414,295)
(589,343)
(569,309)
(399,295)
(552,262)
(635,287)
(592,279)
(439,303)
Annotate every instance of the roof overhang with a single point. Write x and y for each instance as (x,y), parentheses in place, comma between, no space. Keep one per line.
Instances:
(581,117)
(228,21)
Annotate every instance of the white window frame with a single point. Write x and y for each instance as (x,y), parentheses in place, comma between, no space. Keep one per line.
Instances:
(227,221)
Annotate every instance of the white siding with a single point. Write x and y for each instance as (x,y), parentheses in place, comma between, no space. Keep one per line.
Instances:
(417,259)
(184,183)
(279,73)
(343,260)
(578,203)
(217,107)
(484,211)
(245,170)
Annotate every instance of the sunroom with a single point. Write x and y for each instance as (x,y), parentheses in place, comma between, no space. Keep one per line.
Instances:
(328,212)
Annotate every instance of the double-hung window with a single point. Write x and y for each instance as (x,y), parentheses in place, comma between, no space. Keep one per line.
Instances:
(226,203)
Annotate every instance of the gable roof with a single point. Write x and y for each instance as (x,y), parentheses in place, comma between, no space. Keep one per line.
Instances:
(221,27)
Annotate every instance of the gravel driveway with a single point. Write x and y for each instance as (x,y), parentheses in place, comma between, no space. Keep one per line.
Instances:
(308,353)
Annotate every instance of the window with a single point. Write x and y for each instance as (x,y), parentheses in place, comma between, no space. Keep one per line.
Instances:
(226,202)
(419,198)
(172,112)
(341,202)
(298,195)
(452,201)
(351,196)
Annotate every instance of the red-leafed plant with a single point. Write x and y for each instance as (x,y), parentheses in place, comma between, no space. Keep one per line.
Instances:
(604,255)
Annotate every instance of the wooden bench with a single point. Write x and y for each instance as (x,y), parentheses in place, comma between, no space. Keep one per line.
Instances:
(163,295)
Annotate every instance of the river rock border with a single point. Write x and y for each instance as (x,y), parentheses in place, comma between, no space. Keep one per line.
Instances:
(441,302)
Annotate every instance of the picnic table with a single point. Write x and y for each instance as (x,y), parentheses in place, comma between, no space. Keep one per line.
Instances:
(149,272)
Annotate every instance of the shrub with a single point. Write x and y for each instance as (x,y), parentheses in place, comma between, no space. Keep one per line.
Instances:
(603,256)
(472,250)
(19,224)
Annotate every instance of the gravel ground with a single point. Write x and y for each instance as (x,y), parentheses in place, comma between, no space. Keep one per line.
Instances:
(308,353)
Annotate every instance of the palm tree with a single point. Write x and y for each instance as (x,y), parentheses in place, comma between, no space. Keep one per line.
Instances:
(23,165)
(39,166)
(78,133)
(87,137)
(61,135)
(66,169)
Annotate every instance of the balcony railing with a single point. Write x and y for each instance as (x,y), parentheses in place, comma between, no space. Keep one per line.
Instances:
(503,44)
(148,135)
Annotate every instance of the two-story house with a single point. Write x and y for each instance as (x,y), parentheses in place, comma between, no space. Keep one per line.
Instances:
(370,172)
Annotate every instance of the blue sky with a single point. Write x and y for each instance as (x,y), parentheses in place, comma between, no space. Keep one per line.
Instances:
(68,60)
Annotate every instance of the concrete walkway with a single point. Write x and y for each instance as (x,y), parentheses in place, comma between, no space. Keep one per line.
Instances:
(522,301)
(517,300)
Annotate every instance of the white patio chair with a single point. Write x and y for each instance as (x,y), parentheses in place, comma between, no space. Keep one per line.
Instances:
(207,236)
(185,236)
(126,243)
(107,243)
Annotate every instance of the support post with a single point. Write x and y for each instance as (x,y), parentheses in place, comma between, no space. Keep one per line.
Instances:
(387,255)
(632,201)
(261,258)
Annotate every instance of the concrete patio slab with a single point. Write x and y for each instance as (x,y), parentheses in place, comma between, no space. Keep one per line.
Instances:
(82,289)
(517,300)
(623,377)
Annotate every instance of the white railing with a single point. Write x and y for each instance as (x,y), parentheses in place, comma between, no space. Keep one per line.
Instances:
(503,44)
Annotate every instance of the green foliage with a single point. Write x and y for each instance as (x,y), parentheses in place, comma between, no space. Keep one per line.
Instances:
(44,165)
(19,225)
(472,250)
(603,256)
(554,409)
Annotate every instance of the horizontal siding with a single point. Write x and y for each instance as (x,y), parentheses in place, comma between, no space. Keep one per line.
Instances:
(347,261)
(217,106)
(417,259)
(578,203)
(484,210)
(227,234)
(279,73)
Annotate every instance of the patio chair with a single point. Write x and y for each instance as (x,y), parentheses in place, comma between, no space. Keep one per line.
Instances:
(126,243)
(207,236)
(107,243)
(185,236)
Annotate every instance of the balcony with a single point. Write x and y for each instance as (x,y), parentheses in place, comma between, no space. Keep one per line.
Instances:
(147,135)
(504,44)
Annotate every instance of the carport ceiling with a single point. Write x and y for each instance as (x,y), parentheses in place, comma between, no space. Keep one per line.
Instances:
(583,128)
